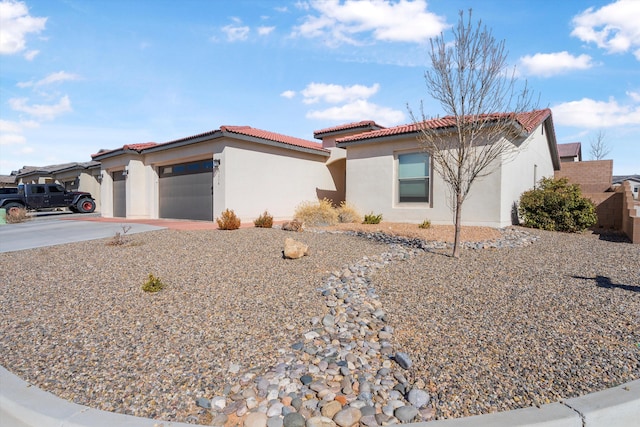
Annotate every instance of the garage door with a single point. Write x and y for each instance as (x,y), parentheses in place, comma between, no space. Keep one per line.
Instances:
(119,194)
(186,190)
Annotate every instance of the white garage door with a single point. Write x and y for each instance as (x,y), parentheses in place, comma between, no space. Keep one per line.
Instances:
(186,190)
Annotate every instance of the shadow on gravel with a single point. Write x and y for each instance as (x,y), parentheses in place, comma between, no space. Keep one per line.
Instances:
(612,236)
(605,282)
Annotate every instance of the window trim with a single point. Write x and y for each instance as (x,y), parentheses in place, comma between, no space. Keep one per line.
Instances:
(429,202)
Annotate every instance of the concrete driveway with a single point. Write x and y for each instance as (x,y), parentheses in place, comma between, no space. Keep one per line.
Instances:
(51,230)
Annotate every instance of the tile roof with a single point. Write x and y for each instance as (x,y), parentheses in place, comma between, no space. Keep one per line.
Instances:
(362,124)
(528,121)
(572,149)
(272,136)
(246,131)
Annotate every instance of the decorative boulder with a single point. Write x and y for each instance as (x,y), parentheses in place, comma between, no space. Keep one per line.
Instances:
(294,249)
(294,225)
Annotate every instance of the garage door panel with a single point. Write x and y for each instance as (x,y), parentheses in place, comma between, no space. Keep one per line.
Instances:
(119,194)
(186,195)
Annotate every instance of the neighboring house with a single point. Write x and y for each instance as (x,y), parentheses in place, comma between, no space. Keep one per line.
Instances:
(83,176)
(234,167)
(634,180)
(571,152)
(8,181)
(388,173)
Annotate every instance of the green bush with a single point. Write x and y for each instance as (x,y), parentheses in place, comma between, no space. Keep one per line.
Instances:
(317,213)
(372,219)
(153,284)
(425,224)
(557,205)
(264,221)
(348,213)
(228,220)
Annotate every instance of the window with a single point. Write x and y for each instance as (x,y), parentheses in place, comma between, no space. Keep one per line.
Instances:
(413,178)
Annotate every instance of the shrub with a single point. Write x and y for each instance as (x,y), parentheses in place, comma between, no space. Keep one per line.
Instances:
(153,284)
(264,221)
(228,220)
(557,205)
(16,215)
(348,213)
(372,219)
(317,213)
(425,224)
(119,238)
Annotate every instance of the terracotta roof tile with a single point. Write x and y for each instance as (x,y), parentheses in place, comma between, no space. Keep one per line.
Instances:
(139,147)
(354,125)
(272,136)
(528,121)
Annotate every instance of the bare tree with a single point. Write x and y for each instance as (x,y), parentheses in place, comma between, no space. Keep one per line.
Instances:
(469,78)
(599,149)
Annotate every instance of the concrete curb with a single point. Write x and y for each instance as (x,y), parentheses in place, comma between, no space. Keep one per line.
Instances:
(23,405)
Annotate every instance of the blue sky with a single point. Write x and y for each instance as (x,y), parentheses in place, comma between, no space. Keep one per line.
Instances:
(80,75)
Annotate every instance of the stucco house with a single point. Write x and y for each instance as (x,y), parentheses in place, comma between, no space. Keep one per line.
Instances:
(634,181)
(388,173)
(74,176)
(234,167)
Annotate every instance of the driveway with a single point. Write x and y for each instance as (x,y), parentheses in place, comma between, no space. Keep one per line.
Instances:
(52,230)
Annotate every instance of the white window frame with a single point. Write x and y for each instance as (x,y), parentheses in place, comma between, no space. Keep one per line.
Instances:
(426,177)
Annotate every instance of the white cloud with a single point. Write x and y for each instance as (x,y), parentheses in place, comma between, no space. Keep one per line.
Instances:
(60,76)
(15,24)
(613,27)
(30,55)
(359,110)
(12,139)
(635,96)
(315,92)
(265,31)
(288,94)
(236,33)
(41,111)
(549,64)
(341,22)
(590,113)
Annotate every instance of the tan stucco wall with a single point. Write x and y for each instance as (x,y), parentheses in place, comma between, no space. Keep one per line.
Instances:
(521,173)
(372,184)
(251,178)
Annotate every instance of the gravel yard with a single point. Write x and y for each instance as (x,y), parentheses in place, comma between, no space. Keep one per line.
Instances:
(494,330)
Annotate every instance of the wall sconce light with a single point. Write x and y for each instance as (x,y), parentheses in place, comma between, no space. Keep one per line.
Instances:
(216,163)
(125,172)
(99,178)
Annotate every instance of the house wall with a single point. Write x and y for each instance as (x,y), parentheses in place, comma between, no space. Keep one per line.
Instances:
(251,177)
(272,178)
(592,176)
(521,173)
(372,187)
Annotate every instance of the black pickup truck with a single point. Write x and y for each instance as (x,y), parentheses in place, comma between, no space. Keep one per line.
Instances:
(47,196)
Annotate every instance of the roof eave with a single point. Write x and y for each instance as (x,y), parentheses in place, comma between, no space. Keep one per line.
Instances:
(319,151)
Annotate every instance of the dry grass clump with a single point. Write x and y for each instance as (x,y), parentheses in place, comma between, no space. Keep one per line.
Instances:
(319,213)
(16,215)
(348,213)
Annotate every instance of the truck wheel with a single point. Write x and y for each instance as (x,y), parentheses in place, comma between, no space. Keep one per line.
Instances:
(13,208)
(86,206)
